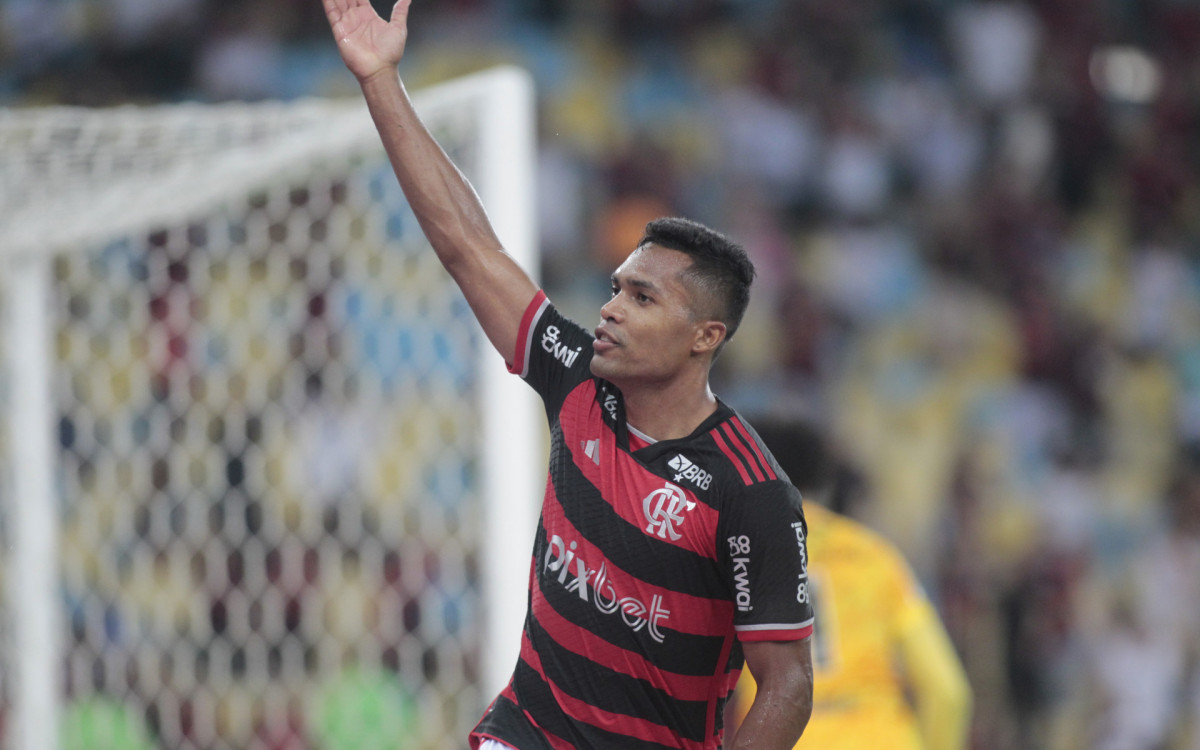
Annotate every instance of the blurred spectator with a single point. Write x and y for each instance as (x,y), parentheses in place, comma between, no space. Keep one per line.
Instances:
(1145,654)
(1137,675)
(243,59)
(997,45)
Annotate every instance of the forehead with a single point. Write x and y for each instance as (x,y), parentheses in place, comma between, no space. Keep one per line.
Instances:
(654,264)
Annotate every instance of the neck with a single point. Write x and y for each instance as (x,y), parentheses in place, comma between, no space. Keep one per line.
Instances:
(668,412)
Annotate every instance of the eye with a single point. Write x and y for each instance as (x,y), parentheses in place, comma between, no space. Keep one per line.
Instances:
(642,297)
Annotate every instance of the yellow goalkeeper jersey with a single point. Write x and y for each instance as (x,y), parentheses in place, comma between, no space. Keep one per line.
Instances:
(876,640)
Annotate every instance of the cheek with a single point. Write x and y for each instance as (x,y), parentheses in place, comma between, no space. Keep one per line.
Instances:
(673,340)
(662,336)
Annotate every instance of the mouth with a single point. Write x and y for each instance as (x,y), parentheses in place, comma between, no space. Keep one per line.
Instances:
(604,341)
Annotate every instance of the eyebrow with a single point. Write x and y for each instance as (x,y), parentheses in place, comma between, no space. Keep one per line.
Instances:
(634,282)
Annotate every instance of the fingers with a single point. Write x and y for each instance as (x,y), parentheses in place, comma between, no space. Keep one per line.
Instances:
(338,12)
(400,11)
(334,10)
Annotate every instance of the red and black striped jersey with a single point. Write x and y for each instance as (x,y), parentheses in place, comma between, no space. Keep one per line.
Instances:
(652,562)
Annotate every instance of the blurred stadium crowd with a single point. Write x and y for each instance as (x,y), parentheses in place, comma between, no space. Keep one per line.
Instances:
(977,226)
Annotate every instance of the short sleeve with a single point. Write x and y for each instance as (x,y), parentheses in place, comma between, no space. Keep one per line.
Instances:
(763,550)
(553,353)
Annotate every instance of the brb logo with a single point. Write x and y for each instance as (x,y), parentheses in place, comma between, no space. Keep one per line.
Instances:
(690,471)
(664,511)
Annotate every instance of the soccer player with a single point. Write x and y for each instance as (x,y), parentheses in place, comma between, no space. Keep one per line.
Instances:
(885,671)
(670,549)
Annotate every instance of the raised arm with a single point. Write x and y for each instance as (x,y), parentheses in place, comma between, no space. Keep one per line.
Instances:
(445,204)
(783,702)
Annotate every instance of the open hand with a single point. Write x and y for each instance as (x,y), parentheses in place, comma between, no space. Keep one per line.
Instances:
(369,44)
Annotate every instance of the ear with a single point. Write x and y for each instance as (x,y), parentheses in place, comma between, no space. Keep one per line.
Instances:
(709,336)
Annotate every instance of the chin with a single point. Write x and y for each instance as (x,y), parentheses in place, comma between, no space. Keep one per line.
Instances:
(607,370)
(599,368)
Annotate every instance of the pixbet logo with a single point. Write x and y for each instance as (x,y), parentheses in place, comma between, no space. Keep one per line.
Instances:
(574,574)
(690,471)
(664,511)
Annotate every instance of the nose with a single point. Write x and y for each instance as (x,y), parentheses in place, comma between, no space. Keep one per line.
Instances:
(611,310)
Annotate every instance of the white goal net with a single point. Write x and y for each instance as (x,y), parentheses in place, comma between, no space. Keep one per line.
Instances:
(257,445)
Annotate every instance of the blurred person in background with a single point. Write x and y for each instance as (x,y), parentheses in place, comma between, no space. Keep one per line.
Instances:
(885,673)
(1143,647)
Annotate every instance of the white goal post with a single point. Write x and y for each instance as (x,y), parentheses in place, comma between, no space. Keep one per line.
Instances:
(244,456)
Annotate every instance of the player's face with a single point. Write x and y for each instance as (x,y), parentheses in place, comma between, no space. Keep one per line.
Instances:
(648,328)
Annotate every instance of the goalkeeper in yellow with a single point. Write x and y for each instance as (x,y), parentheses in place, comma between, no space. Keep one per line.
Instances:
(885,673)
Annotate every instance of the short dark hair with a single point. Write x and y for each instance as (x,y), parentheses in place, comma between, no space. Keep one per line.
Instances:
(720,266)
